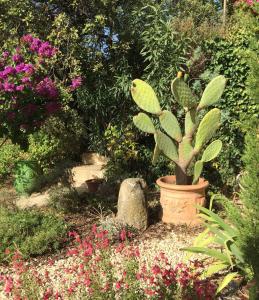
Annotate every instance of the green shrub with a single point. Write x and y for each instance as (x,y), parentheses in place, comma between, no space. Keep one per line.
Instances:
(58,139)
(245,217)
(33,233)
(9,155)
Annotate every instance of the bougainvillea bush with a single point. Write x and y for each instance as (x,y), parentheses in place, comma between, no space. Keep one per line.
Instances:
(31,88)
(96,269)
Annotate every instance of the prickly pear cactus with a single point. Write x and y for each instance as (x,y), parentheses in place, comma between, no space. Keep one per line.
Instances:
(181,146)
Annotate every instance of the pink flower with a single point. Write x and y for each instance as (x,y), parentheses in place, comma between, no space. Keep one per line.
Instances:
(76,83)
(26,80)
(17,58)
(47,89)
(123,235)
(156,270)
(28,69)
(20,67)
(8,70)
(5,54)
(118,285)
(28,38)
(35,45)
(8,285)
(46,50)
(20,88)
(8,86)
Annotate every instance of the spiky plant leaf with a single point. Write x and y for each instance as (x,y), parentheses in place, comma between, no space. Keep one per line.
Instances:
(210,252)
(213,91)
(170,125)
(166,145)
(190,121)
(144,123)
(212,151)
(183,93)
(227,279)
(197,171)
(208,126)
(215,268)
(156,154)
(145,97)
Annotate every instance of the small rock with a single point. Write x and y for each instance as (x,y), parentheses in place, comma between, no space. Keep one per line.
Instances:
(35,200)
(91,158)
(132,208)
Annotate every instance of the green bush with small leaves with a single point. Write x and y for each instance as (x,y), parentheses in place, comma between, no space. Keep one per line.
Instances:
(30,232)
(9,155)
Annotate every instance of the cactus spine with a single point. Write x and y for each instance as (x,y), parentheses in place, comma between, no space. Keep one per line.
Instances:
(181,148)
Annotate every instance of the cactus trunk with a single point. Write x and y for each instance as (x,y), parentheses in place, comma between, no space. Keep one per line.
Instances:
(181,175)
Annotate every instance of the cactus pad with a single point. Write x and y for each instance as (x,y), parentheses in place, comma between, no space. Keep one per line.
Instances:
(144,123)
(197,171)
(166,145)
(156,154)
(182,93)
(212,151)
(185,150)
(145,97)
(190,121)
(171,126)
(213,91)
(208,126)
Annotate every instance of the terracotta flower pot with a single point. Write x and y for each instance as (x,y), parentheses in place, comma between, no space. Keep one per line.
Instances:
(178,201)
(93,185)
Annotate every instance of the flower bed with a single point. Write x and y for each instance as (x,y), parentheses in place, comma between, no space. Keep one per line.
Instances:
(97,269)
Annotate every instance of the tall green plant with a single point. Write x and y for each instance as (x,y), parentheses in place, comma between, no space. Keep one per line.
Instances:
(196,134)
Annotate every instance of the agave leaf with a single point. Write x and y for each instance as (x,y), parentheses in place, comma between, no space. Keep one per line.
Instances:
(209,252)
(215,268)
(213,91)
(231,230)
(145,97)
(170,125)
(236,252)
(227,279)
(167,146)
(144,123)
(212,151)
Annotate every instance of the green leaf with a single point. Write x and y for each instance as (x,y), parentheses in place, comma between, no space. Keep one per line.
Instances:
(212,151)
(144,123)
(213,91)
(145,97)
(215,268)
(209,252)
(227,279)
(231,231)
(170,125)
(166,145)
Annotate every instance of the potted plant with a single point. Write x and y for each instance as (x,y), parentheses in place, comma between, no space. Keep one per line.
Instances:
(181,193)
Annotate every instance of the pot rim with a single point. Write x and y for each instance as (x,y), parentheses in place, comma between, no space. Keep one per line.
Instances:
(203,184)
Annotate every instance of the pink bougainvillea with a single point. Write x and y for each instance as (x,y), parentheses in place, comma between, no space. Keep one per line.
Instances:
(30,91)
